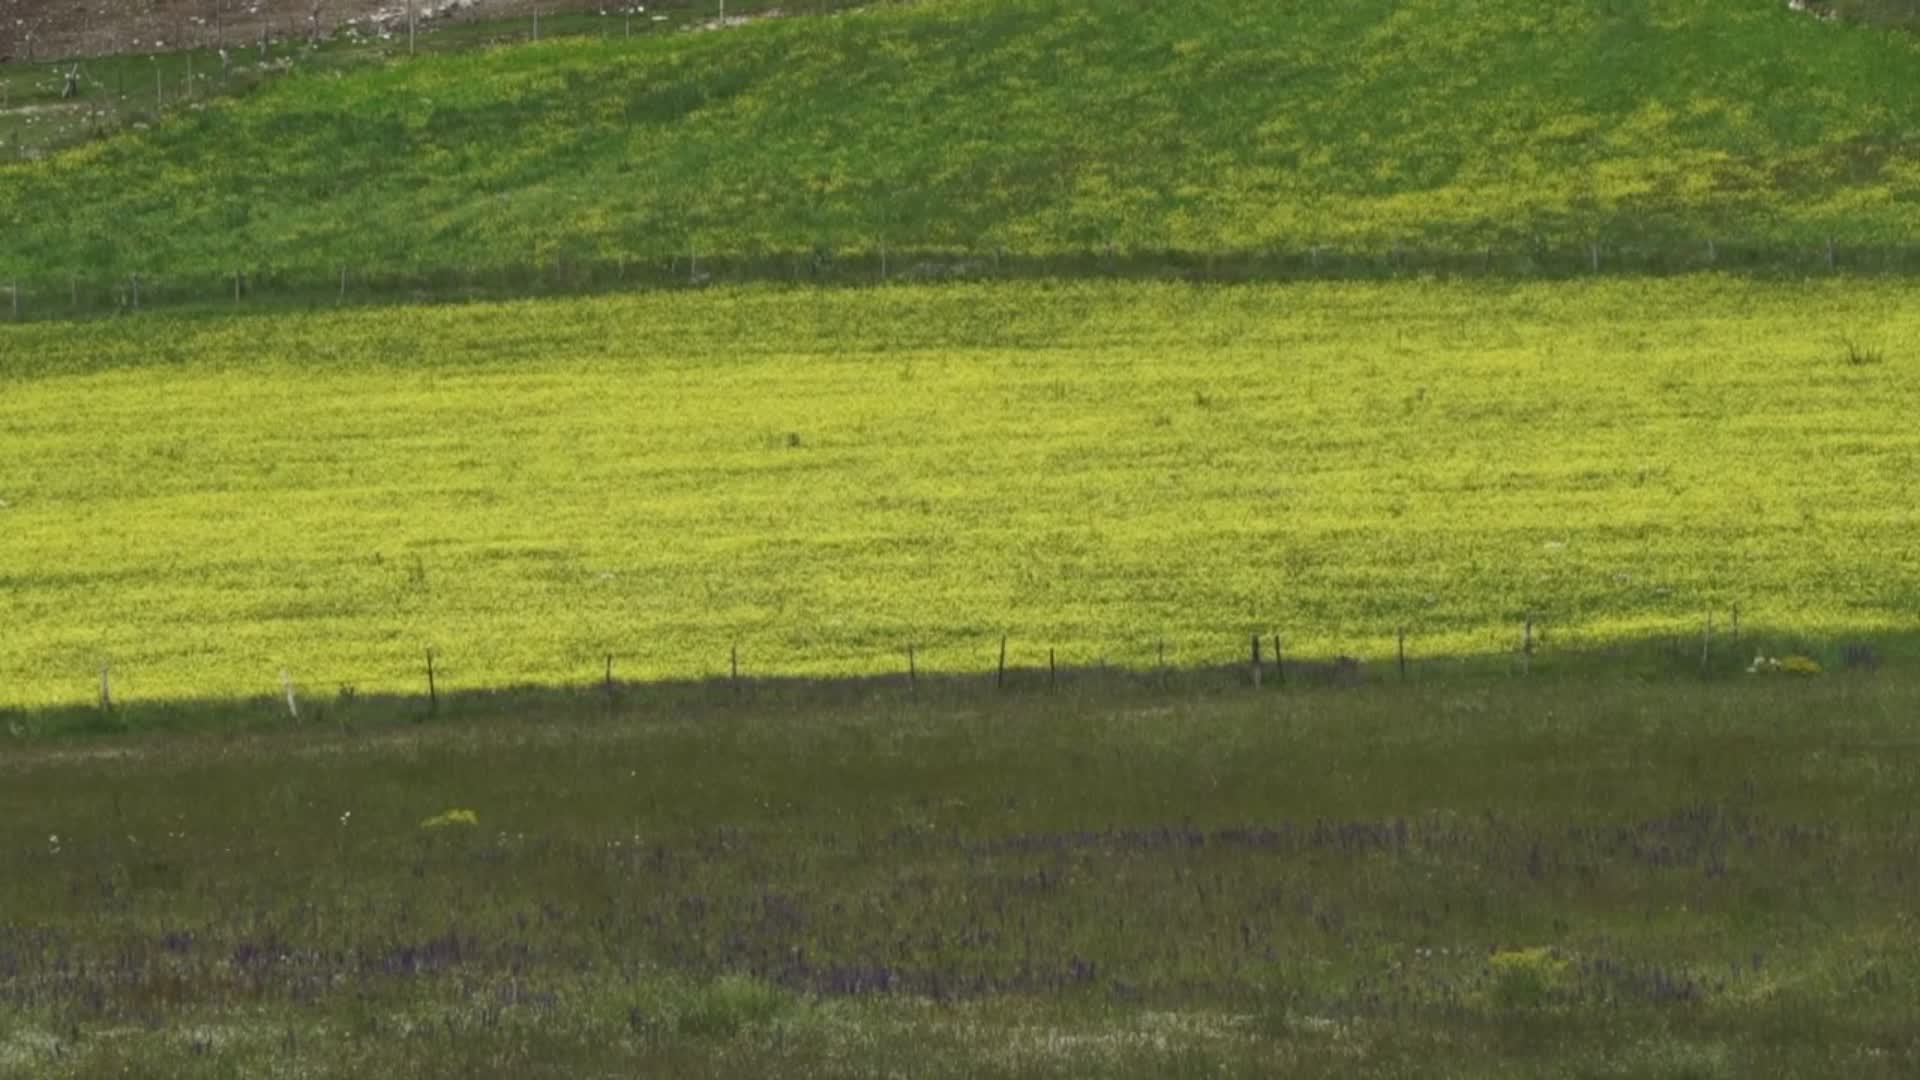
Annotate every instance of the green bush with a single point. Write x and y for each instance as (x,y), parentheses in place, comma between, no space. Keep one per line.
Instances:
(1526,978)
(719,1009)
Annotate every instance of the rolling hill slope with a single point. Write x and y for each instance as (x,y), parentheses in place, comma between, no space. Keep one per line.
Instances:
(1040,126)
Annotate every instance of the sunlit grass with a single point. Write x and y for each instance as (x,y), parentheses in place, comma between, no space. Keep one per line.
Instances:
(822,479)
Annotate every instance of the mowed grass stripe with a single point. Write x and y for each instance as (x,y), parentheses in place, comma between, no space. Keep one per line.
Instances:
(825,476)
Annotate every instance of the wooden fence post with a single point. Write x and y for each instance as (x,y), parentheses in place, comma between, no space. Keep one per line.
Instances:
(1256,661)
(1401,634)
(433,689)
(1053,671)
(1279,662)
(1526,648)
(913,673)
(1000,679)
(106,689)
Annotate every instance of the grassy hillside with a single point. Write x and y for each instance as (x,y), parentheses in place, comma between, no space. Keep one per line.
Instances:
(1043,126)
(824,477)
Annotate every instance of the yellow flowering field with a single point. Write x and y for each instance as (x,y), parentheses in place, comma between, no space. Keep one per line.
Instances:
(823,477)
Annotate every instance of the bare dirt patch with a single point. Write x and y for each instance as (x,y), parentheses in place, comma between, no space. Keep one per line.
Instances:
(41,30)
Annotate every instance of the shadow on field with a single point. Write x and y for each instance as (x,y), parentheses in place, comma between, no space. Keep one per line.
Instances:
(1664,658)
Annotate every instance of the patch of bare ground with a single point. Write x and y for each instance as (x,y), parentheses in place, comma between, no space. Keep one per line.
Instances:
(39,30)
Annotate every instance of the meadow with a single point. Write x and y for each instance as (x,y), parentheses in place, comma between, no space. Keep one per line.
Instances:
(837,664)
(810,482)
(1567,877)
(1047,128)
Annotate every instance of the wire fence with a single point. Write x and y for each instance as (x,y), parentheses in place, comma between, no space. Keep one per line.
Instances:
(1717,647)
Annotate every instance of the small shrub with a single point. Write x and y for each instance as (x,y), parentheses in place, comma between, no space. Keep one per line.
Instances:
(1858,355)
(719,1009)
(1784,665)
(1526,978)
(1799,665)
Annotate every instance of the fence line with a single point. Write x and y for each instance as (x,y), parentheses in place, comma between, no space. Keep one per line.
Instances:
(1683,651)
(63,296)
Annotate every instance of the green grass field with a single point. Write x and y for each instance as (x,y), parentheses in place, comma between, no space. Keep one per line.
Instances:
(951,365)
(1546,877)
(824,478)
(1047,127)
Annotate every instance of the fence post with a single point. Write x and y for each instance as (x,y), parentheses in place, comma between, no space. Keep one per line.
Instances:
(1256,661)
(913,673)
(1000,678)
(734,667)
(433,690)
(1053,671)
(1279,663)
(1526,647)
(1736,624)
(1401,634)
(286,683)
(106,689)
